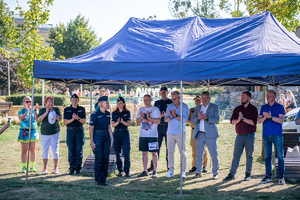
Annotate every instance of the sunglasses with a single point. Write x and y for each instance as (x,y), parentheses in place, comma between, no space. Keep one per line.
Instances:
(28,101)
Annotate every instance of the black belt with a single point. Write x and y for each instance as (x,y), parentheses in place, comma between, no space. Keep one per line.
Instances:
(121,129)
(25,129)
(201,132)
(104,130)
(74,128)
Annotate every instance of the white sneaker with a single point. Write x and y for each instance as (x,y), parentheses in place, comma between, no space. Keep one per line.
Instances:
(183,175)
(169,174)
(45,171)
(56,171)
(154,175)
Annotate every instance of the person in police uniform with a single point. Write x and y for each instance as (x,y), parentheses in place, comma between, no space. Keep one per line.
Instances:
(101,139)
(121,121)
(162,104)
(74,118)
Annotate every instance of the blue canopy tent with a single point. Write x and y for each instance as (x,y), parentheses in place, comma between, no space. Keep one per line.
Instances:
(255,50)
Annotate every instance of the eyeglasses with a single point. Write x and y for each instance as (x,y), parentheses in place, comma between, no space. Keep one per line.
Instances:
(28,101)
(174,99)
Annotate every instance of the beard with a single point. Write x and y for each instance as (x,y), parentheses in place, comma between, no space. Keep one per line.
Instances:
(245,102)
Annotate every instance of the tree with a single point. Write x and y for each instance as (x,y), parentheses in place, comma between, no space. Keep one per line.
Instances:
(16,82)
(27,40)
(285,11)
(204,8)
(6,25)
(76,38)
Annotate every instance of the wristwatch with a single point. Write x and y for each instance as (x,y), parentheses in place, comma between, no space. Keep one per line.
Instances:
(177,115)
(271,118)
(79,119)
(243,118)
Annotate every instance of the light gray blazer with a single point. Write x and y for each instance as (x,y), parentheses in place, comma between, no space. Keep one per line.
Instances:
(210,126)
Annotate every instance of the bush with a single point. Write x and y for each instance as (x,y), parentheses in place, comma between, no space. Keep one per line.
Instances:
(59,100)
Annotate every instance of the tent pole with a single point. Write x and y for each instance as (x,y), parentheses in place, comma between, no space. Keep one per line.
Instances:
(29,136)
(181,99)
(8,77)
(43,92)
(262,142)
(91,98)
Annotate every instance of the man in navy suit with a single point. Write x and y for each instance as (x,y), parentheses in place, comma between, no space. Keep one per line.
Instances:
(206,117)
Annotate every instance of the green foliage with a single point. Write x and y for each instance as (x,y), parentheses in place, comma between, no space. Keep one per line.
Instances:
(285,11)
(59,100)
(204,8)
(6,24)
(199,90)
(16,81)
(74,39)
(28,41)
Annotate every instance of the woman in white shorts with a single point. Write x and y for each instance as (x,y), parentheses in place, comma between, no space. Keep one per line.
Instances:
(50,117)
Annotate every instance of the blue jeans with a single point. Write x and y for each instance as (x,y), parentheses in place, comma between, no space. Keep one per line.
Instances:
(102,142)
(278,144)
(75,142)
(242,141)
(122,140)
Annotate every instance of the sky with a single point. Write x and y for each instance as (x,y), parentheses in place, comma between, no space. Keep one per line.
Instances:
(106,17)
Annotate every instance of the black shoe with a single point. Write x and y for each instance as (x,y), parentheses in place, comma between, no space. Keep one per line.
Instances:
(77,172)
(204,170)
(71,171)
(104,183)
(247,177)
(144,173)
(229,177)
(127,174)
(150,169)
(193,169)
(120,174)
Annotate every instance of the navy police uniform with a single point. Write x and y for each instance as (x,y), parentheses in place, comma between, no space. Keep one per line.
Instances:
(75,137)
(101,137)
(122,140)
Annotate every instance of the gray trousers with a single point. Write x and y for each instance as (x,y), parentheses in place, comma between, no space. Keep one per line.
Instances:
(212,147)
(242,141)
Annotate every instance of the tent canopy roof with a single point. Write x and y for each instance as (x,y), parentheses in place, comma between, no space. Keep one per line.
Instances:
(196,50)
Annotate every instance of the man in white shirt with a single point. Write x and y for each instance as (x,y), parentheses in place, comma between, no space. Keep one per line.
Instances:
(148,117)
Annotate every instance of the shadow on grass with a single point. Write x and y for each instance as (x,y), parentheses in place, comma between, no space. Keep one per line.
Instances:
(74,186)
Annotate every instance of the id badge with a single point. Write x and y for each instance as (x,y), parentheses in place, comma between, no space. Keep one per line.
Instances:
(153,146)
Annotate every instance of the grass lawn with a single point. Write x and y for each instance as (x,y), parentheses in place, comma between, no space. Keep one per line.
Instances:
(64,186)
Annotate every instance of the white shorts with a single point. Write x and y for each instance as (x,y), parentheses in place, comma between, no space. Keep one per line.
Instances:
(52,140)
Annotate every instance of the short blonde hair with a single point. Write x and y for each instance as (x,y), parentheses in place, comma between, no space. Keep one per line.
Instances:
(27,97)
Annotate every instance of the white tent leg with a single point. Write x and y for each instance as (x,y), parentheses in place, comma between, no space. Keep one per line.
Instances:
(43,93)
(181,99)
(29,136)
(91,99)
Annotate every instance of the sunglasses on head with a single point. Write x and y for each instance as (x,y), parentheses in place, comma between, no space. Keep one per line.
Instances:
(28,101)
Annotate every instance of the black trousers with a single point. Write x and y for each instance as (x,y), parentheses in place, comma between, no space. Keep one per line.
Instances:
(102,142)
(122,140)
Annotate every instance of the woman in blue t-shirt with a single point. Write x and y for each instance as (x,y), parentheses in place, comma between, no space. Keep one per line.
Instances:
(121,121)
(24,117)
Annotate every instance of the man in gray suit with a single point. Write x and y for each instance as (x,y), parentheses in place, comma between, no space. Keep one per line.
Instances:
(206,116)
